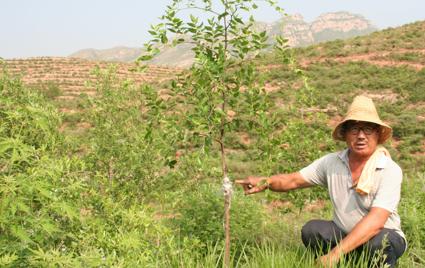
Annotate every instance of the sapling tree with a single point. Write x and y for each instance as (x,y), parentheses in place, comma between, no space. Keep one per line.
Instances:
(222,92)
(130,134)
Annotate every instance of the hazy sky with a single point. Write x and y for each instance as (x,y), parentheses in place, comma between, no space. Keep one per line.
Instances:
(31,28)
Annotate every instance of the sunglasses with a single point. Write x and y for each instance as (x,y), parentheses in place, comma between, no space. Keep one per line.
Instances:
(355,129)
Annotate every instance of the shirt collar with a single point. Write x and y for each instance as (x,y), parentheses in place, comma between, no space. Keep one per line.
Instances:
(381,163)
(343,155)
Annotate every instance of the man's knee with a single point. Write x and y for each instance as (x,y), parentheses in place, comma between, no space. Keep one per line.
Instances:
(388,243)
(309,232)
(385,239)
(318,234)
(310,228)
(378,242)
(310,235)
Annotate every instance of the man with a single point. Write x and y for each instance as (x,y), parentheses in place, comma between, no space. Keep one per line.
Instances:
(364,187)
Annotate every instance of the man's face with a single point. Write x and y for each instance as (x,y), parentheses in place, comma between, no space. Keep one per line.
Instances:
(362,137)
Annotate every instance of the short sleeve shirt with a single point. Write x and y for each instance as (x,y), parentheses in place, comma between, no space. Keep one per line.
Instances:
(332,171)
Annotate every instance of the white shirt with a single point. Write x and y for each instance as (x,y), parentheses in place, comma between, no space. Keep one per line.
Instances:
(332,171)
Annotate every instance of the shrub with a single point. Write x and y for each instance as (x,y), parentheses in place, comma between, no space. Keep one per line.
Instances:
(131,142)
(26,116)
(49,89)
(417,87)
(201,216)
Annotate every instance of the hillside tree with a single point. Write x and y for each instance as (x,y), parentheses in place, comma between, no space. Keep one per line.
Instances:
(221,92)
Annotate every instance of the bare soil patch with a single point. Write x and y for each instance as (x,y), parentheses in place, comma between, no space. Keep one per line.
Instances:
(334,121)
(68,110)
(315,206)
(270,87)
(375,58)
(278,204)
(384,96)
(83,125)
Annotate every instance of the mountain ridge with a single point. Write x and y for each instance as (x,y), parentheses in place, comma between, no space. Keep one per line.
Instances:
(400,47)
(326,27)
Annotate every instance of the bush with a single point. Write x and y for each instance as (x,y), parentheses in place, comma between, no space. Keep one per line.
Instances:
(417,87)
(130,141)
(49,89)
(201,216)
(40,194)
(55,212)
(25,115)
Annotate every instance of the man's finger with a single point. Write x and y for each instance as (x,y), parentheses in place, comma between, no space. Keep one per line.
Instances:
(256,189)
(242,182)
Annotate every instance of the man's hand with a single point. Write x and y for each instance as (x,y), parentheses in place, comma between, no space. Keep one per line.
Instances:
(329,260)
(253,185)
(276,183)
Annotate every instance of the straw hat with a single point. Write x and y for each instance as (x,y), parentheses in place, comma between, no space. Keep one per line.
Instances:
(363,109)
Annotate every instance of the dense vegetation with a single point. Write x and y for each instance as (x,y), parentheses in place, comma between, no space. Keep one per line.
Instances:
(133,189)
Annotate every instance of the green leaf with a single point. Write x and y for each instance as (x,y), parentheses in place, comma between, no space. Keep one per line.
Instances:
(145,57)
(164,39)
(49,227)
(238,20)
(7,259)
(23,207)
(193,19)
(65,209)
(21,234)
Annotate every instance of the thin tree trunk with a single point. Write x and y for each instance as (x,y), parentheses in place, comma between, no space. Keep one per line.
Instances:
(227,189)
(227,185)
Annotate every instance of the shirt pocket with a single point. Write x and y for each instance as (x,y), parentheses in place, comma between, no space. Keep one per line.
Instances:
(365,201)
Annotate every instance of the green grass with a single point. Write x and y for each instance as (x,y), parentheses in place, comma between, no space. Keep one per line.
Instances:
(414,57)
(120,197)
(280,243)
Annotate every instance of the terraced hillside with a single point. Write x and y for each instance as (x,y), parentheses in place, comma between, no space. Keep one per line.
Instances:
(67,80)
(402,46)
(74,76)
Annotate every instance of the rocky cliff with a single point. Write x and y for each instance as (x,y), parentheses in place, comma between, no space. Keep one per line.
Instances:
(329,26)
(339,25)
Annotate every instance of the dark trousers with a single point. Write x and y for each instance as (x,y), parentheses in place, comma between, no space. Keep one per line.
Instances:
(321,236)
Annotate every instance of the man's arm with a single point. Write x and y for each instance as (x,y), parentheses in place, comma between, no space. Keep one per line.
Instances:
(362,232)
(287,182)
(276,183)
